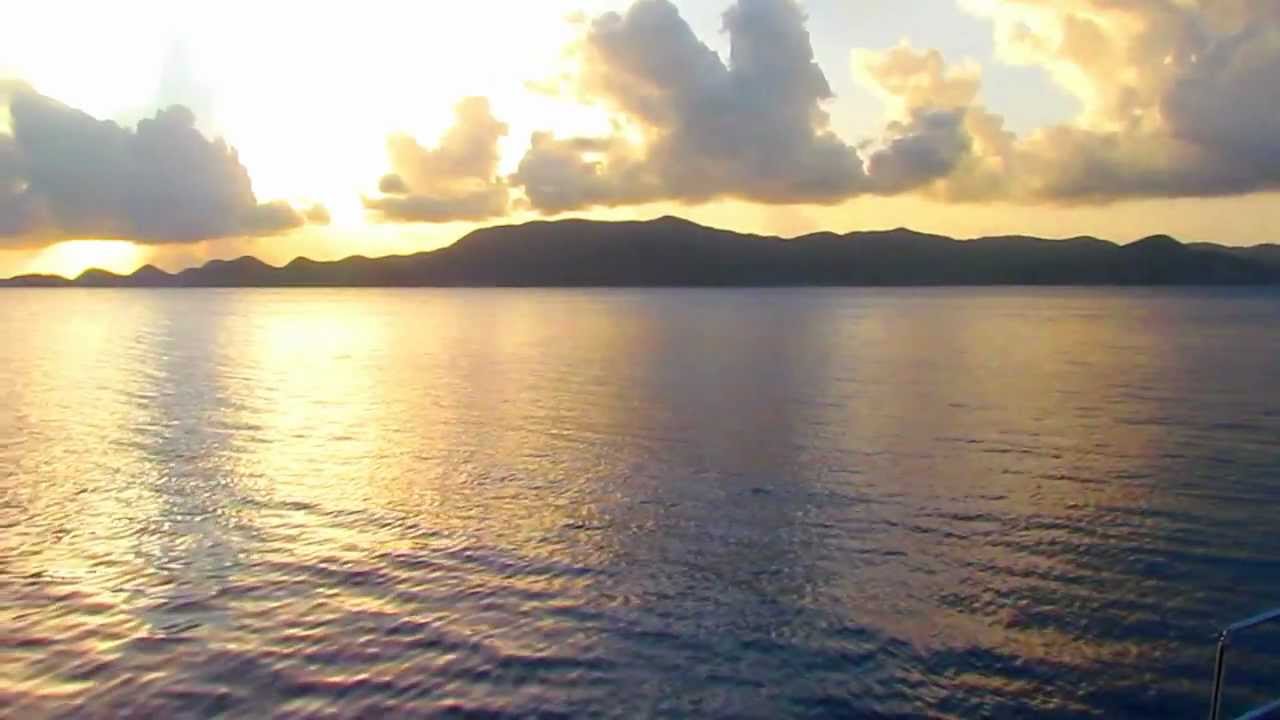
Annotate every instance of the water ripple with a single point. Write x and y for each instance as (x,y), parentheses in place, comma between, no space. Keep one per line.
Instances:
(883,504)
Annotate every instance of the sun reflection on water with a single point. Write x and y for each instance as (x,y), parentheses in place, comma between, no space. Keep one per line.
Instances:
(523,501)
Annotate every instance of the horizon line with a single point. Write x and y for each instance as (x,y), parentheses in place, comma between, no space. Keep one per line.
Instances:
(666,217)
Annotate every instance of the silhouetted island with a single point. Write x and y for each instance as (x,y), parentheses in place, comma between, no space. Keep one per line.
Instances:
(675,252)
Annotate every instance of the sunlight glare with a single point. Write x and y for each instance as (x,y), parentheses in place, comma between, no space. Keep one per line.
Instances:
(311,124)
(73,257)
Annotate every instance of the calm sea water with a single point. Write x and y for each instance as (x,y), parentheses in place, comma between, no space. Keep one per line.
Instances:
(757,503)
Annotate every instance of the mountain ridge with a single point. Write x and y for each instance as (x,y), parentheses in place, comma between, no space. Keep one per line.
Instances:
(673,251)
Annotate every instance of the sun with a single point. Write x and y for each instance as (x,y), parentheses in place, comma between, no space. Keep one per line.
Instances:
(73,257)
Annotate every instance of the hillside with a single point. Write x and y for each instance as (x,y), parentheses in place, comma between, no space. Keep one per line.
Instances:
(674,252)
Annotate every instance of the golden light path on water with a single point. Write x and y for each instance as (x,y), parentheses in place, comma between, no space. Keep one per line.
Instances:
(955,503)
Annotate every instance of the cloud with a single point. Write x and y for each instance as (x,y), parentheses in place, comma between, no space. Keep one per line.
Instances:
(270,218)
(317,215)
(1179,100)
(563,174)
(65,174)
(935,127)
(693,127)
(1229,99)
(753,128)
(16,212)
(457,180)
(1178,97)
(393,185)
(929,146)
(911,79)
(480,204)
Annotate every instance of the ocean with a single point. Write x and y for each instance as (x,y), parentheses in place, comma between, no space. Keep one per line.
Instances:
(903,503)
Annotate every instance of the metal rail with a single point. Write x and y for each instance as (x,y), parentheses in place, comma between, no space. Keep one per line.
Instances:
(1220,667)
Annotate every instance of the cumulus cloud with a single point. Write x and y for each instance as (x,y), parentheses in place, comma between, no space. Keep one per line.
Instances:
(928,146)
(1229,98)
(65,174)
(693,127)
(1179,99)
(457,180)
(562,174)
(911,79)
(954,146)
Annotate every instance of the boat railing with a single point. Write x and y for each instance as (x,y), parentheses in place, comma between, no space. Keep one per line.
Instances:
(1220,667)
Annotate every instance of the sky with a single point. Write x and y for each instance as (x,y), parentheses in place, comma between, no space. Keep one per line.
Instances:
(173,132)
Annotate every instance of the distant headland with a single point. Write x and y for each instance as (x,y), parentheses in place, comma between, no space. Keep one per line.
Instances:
(673,252)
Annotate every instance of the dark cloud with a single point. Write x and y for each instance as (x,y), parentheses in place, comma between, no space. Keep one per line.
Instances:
(65,174)
(16,212)
(1229,99)
(926,148)
(457,180)
(753,128)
